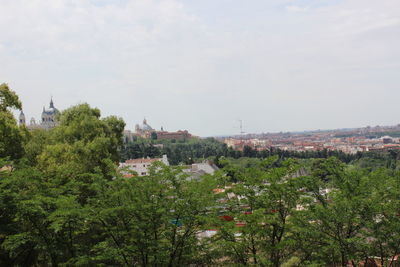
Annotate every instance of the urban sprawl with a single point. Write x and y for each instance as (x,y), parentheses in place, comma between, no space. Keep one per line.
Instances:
(351,141)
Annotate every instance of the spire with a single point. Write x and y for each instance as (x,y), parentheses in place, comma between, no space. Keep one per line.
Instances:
(51,103)
(22,118)
(144,121)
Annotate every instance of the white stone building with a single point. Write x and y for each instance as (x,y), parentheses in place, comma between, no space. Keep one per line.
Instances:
(141,166)
(49,118)
(196,170)
(144,130)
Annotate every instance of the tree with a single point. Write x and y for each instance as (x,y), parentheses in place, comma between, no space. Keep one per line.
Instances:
(8,99)
(343,216)
(36,143)
(153,220)
(11,136)
(260,205)
(153,136)
(83,143)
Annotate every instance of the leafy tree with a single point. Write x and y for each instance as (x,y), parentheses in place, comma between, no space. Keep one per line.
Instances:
(63,201)
(38,140)
(153,220)
(383,231)
(342,220)
(260,205)
(8,99)
(83,143)
(11,136)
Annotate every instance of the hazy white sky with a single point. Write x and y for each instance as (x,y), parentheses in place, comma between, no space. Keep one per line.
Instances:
(201,65)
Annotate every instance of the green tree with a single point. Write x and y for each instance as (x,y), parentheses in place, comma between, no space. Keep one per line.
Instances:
(34,146)
(83,143)
(8,99)
(339,215)
(153,220)
(153,136)
(256,228)
(11,136)
(383,231)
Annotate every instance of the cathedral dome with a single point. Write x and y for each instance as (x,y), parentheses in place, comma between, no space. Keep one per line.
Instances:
(51,110)
(145,127)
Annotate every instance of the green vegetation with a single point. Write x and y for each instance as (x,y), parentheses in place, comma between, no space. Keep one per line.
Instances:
(63,202)
(11,137)
(188,151)
(178,151)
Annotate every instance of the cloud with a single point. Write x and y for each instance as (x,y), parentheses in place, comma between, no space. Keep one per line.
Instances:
(79,26)
(200,65)
(295,9)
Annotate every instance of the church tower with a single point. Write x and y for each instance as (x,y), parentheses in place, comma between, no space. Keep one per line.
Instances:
(49,119)
(51,103)
(22,118)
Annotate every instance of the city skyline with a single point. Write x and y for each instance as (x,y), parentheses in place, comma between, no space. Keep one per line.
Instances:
(281,65)
(240,131)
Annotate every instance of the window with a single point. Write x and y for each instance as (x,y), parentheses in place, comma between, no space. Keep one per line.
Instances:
(143,173)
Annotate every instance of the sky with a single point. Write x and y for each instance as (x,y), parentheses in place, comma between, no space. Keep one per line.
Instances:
(203,65)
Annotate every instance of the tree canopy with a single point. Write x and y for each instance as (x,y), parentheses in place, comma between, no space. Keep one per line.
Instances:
(64,202)
(11,136)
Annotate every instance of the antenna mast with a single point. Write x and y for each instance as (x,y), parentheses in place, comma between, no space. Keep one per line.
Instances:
(241,130)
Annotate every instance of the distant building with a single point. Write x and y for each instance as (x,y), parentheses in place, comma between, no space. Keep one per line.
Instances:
(387,139)
(179,135)
(128,136)
(146,131)
(206,167)
(141,166)
(22,118)
(48,118)
(196,170)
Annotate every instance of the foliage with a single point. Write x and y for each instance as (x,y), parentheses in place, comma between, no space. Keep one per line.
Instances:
(81,143)
(63,202)
(8,99)
(261,202)
(11,136)
(178,152)
(153,220)
(187,151)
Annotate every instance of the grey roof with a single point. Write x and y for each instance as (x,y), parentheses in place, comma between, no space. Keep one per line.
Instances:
(51,110)
(145,127)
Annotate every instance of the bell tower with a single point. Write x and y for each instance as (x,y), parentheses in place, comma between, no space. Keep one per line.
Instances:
(22,118)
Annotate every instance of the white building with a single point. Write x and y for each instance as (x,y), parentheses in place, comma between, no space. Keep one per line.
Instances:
(196,170)
(206,167)
(141,166)
(144,130)
(49,118)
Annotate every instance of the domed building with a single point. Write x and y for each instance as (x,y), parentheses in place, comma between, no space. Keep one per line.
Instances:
(144,130)
(49,118)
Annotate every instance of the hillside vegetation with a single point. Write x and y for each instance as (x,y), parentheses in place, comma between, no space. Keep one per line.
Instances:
(63,201)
